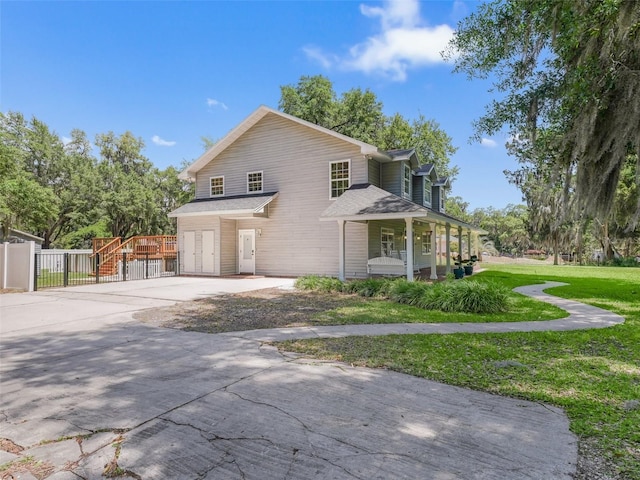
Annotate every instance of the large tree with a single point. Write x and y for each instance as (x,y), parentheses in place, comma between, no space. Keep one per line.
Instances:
(569,65)
(358,114)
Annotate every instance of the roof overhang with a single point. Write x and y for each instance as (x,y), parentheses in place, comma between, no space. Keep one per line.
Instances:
(365,202)
(239,206)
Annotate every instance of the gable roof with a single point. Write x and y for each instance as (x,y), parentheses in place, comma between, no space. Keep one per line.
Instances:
(366,200)
(254,118)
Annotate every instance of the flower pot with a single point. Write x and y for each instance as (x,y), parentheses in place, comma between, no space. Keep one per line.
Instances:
(458,272)
(468,269)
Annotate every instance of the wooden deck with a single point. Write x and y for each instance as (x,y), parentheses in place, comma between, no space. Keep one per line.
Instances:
(149,247)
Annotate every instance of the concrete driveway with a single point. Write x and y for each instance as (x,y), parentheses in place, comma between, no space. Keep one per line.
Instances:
(88,391)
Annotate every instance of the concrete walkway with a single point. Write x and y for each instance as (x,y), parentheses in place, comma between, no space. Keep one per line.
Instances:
(86,390)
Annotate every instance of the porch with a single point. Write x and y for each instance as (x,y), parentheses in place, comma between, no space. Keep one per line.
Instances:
(403,237)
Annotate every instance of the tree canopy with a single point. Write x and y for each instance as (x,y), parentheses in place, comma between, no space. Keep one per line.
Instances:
(66,195)
(573,67)
(358,114)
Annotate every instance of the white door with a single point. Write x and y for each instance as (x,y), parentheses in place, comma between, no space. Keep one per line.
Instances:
(189,252)
(208,257)
(247,251)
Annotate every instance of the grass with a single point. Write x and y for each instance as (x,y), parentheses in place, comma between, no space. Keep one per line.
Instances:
(56,279)
(593,374)
(409,298)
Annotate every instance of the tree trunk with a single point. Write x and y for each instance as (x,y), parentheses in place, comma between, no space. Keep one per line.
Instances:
(555,248)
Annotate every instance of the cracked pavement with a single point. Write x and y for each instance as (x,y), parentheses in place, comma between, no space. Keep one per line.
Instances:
(87,391)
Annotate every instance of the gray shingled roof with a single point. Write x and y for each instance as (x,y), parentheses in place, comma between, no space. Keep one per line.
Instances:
(365,199)
(424,169)
(245,205)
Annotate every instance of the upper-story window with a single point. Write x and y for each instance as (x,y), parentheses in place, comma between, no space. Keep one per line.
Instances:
(254,182)
(216,186)
(340,177)
(406,181)
(442,199)
(427,192)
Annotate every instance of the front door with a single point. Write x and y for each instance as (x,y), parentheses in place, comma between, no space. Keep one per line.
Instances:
(189,260)
(208,257)
(247,251)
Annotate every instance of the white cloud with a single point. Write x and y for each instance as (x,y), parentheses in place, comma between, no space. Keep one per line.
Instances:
(487,142)
(65,140)
(215,103)
(162,143)
(403,43)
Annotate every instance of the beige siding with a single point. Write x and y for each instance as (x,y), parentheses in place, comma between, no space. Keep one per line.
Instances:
(295,162)
(228,248)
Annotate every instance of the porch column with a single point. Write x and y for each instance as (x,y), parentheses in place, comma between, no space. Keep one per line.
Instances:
(409,222)
(448,246)
(460,242)
(469,245)
(341,262)
(434,257)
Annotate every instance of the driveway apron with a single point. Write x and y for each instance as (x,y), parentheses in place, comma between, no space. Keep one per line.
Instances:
(88,391)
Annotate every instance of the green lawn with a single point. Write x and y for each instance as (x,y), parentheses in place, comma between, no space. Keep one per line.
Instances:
(56,279)
(593,374)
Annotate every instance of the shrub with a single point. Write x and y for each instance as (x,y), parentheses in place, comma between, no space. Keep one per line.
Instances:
(467,296)
(371,287)
(403,291)
(318,283)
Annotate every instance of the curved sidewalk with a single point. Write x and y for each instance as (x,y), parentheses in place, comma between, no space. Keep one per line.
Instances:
(581,316)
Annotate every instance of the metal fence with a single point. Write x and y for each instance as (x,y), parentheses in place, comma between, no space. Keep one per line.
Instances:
(69,269)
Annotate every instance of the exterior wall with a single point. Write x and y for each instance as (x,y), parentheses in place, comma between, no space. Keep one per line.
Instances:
(435,198)
(418,189)
(375,169)
(228,247)
(398,227)
(391,177)
(295,162)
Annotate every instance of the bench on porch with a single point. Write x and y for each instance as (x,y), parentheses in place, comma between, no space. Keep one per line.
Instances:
(386,266)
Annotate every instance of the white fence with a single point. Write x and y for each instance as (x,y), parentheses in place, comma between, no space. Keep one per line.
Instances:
(79,261)
(17,261)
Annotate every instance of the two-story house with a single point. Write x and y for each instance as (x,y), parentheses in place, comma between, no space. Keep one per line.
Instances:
(282,196)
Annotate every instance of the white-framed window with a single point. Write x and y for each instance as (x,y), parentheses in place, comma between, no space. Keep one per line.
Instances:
(216,186)
(426,242)
(406,181)
(443,199)
(254,182)
(427,192)
(340,177)
(387,242)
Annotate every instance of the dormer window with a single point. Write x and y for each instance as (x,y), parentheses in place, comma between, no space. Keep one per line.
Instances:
(216,186)
(428,185)
(254,182)
(406,181)
(442,199)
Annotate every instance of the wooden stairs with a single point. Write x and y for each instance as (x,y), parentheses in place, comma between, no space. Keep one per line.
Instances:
(111,250)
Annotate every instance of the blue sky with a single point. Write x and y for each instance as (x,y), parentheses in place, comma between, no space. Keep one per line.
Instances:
(172,72)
